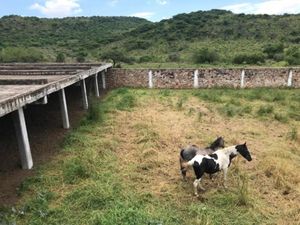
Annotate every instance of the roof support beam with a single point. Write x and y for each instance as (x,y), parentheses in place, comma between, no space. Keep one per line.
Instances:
(22,137)
(64,109)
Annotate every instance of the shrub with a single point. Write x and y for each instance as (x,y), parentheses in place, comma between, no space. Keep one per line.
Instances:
(265,110)
(16,54)
(95,112)
(292,55)
(174,57)
(135,45)
(273,49)
(205,55)
(60,57)
(81,57)
(145,58)
(253,58)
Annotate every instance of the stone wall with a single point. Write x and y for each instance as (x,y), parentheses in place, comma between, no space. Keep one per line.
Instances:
(296,77)
(266,77)
(207,78)
(127,78)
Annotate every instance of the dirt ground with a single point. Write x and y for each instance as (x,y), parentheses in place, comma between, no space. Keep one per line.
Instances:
(46,135)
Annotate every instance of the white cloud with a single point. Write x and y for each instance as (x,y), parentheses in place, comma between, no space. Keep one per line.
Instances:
(58,8)
(145,15)
(113,2)
(162,2)
(266,7)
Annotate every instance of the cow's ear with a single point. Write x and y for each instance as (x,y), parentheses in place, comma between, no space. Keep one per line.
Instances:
(245,143)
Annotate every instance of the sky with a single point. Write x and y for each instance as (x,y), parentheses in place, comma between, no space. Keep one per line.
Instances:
(153,10)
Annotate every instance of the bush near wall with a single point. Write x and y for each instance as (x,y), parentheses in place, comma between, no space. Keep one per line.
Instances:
(17,54)
(254,58)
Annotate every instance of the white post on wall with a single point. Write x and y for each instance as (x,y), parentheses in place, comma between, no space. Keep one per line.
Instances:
(22,137)
(150,76)
(64,109)
(290,78)
(196,79)
(96,85)
(243,79)
(103,79)
(85,102)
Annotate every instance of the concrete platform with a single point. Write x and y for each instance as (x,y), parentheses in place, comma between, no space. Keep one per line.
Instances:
(23,84)
(20,86)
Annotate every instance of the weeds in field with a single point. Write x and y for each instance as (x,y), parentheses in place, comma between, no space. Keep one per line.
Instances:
(146,135)
(265,110)
(293,134)
(95,111)
(74,170)
(180,102)
(243,190)
(126,102)
(165,92)
(200,116)
(281,117)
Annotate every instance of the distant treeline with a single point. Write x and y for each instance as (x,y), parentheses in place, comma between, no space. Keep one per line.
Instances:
(203,37)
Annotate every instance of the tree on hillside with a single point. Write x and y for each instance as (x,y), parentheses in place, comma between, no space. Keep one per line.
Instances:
(292,55)
(115,56)
(273,49)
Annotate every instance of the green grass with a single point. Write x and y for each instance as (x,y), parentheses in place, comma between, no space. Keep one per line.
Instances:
(84,184)
(282,105)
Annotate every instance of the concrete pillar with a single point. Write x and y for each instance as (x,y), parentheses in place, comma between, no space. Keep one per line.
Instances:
(196,79)
(22,137)
(243,79)
(85,103)
(64,109)
(150,78)
(96,85)
(103,79)
(290,78)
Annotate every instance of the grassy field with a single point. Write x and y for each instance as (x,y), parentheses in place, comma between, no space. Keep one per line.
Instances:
(120,166)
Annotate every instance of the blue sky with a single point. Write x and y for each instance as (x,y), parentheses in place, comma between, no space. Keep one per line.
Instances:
(153,10)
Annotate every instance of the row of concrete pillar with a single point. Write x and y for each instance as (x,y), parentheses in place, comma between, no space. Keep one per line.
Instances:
(20,122)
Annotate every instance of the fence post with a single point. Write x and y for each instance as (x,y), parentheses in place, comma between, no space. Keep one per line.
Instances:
(243,79)
(150,75)
(196,79)
(290,78)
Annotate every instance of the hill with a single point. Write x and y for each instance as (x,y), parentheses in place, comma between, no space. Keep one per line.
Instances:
(72,35)
(203,37)
(217,36)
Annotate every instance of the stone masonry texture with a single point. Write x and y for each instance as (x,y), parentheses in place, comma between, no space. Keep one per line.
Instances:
(208,78)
